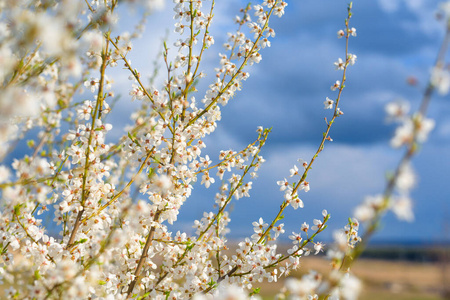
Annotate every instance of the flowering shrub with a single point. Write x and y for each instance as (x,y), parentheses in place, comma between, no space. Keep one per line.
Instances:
(111,203)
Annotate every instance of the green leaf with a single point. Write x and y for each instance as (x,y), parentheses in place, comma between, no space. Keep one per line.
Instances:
(17,208)
(211,283)
(148,293)
(190,246)
(151,171)
(80,241)
(255,291)
(133,139)
(37,275)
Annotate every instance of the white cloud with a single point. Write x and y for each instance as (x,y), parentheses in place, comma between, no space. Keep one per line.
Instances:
(415,5)
(221,139)
(340,172)
(389,6)
(424,11)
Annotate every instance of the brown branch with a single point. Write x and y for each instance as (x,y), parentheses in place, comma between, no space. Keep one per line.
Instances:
(144,255)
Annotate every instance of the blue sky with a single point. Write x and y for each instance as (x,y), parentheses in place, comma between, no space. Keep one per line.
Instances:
(396,39)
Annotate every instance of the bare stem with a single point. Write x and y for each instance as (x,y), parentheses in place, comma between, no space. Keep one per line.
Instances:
(144,255)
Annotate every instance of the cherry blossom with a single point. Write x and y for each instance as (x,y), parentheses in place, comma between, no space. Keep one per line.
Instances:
(328,103)
(114,197)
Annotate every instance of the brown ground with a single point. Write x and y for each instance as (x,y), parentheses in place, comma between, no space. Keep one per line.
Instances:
(384,279)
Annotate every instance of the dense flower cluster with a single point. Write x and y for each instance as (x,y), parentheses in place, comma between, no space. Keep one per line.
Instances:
(83,218)
(111,243)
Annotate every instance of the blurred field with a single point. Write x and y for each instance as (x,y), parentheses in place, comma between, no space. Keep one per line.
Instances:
(386,279)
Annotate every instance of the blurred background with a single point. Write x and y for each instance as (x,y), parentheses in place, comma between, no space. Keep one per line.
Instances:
(396,44)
